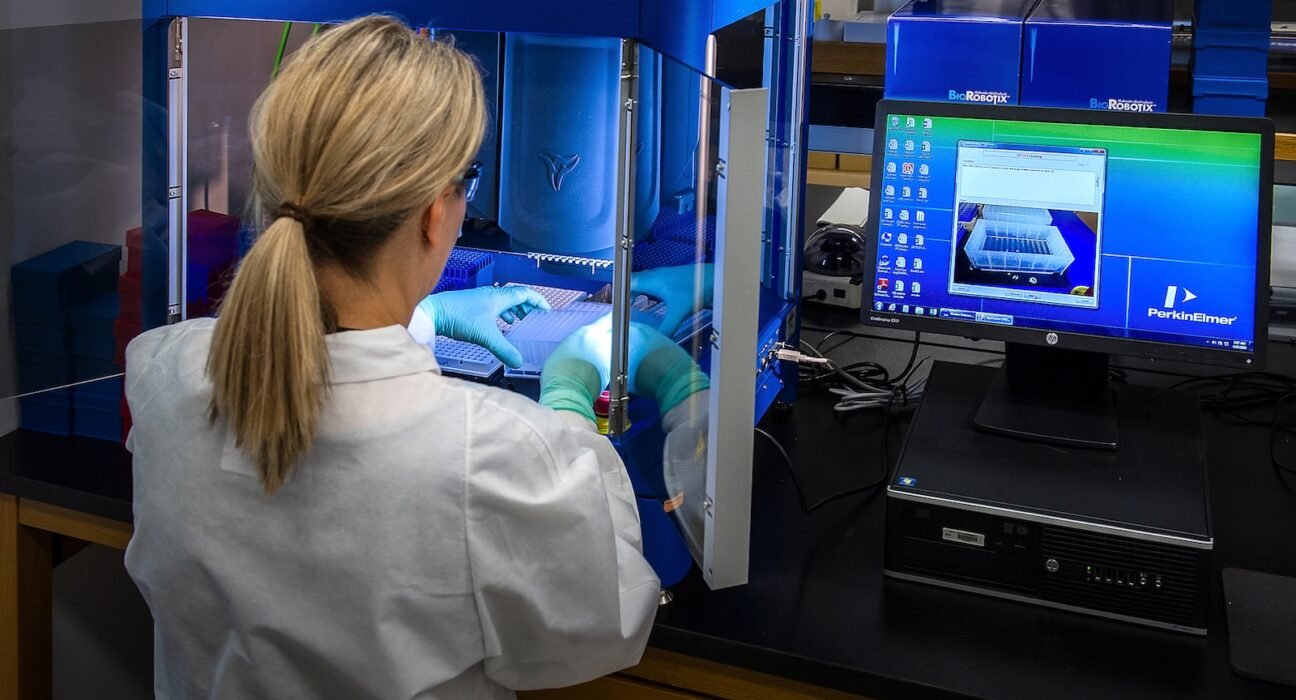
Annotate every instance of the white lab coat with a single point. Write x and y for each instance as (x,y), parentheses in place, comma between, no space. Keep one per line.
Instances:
(441,539)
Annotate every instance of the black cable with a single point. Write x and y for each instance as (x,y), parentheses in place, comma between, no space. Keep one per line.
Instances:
(913,355)
(796,483)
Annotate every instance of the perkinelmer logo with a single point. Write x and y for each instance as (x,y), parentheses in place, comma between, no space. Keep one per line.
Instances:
(983,96)
(1170,313)
(1117,105)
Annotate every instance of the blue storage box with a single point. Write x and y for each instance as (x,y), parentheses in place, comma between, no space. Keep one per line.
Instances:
(97,419)
(42,370)
(50,412)
(103,391)
(66,276)
(85,367)
(91,327)
(1233,14)
(1231,54)
(42,331)
(1090,54)
(956,50)
(1230,96)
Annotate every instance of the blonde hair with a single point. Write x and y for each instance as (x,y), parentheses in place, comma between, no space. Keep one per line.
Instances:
(365,127)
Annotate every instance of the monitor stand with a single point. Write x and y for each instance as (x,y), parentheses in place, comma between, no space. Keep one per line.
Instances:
(1054,396)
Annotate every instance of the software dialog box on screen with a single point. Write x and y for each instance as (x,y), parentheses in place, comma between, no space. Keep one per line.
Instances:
(1035,230)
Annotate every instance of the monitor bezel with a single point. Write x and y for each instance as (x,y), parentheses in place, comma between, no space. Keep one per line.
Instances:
(1070,339)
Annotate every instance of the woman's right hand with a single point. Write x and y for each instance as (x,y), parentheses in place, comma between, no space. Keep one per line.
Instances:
(579,369)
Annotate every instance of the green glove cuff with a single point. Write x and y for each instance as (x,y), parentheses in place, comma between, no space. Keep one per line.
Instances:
(669,375)
(570,385)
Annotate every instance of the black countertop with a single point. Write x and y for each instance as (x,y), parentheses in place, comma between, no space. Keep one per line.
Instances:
(817,608)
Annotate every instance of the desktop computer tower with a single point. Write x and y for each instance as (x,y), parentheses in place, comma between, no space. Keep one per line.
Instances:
(1121,534)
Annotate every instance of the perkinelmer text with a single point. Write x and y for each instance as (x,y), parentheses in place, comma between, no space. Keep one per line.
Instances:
(1195,316)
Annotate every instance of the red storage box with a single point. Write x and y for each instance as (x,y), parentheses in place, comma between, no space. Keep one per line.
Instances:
(123,332)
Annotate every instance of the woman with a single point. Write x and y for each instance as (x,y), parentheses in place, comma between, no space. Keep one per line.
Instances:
(319,513)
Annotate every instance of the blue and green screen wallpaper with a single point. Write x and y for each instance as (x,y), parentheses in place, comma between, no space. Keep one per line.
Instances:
(1126,232)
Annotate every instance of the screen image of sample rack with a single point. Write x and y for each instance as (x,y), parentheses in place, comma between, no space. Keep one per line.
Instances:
(1017,239)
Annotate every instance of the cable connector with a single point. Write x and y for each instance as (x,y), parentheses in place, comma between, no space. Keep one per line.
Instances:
(787,354)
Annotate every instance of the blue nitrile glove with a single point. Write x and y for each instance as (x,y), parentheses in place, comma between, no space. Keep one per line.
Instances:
(578,369)
(662,370)
(677,287)
(469,315)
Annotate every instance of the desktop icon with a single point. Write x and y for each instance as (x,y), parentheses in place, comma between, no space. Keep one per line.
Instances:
(904,214)
(922,169)
(895,122)
(906,192)
(918,239)
(886,236)
(920,216)
(909,123)
(904,239)
(890,190)
(917,263)
(893,145)
(926,147)
(922,193)
(909,145)
(915,288)
(899,287)
(891,168)
(927,124)
(888,214)
(883,284)
(908,169)
(884,261)
(900,262)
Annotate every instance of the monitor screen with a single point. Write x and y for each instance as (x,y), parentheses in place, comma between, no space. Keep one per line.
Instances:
(1009,220)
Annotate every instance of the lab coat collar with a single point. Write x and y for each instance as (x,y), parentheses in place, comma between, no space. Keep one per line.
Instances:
(381,353)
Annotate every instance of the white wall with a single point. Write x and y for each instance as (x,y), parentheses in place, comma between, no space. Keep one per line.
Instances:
(19,14)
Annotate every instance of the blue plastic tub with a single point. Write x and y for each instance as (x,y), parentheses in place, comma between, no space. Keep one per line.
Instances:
(1230,54)
(50,412)
(68,275)
(1230,96)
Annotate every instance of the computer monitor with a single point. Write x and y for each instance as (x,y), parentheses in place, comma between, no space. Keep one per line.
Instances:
(1071,235)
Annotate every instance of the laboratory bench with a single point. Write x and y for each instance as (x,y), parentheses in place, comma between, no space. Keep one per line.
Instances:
(817,619)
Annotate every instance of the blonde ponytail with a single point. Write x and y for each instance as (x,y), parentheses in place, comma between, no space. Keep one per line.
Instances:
(268,360)
(366,125)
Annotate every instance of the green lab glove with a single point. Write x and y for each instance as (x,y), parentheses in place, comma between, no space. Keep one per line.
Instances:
(662,370)
(578,369)
(469,315)
(678,288)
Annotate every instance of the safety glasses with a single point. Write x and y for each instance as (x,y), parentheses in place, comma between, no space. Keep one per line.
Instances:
(470,179)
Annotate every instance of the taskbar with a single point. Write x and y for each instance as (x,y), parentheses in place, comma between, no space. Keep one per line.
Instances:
(998,319)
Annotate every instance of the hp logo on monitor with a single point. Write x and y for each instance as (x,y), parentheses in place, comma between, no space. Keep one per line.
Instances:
(1051,338)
